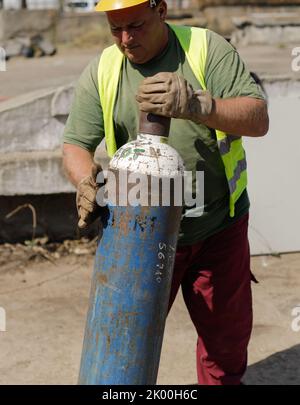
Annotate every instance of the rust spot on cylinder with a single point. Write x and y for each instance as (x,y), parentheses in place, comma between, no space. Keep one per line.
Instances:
(141,222)
(102,278)
(152,223)
(108,340)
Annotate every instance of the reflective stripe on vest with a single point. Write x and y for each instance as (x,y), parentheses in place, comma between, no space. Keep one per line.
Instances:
(193,42)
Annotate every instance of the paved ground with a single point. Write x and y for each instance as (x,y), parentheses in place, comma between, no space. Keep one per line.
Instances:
(46,305)
(24,75)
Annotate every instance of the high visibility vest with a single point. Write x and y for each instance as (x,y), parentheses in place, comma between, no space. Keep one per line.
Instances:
(194,43)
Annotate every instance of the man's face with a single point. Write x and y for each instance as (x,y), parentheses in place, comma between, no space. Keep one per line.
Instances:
(139,31)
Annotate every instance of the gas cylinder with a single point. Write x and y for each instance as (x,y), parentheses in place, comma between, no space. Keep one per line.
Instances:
(133,265)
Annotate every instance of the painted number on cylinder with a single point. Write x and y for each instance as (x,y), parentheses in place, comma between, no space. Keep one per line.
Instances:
(165,255)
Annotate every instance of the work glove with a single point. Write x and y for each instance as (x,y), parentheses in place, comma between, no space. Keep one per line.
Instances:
(87,207)
(172,96)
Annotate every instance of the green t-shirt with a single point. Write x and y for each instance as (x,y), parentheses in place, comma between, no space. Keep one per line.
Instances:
(225,76)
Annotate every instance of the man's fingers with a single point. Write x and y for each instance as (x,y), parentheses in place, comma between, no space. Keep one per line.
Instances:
(87,207)
(159,83)
(148,88)
(95,170)
(152,98)
(87,204)
(161,77)
(86,217)
(83,217)
(81,224)
(154,109)
(89,194)
(149,107)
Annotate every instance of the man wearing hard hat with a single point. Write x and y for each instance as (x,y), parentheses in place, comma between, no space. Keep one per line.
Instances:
(195,76)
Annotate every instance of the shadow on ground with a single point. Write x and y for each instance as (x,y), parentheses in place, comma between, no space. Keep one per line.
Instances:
(282,368)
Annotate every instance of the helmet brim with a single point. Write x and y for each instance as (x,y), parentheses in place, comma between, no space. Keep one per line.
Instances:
(111,5)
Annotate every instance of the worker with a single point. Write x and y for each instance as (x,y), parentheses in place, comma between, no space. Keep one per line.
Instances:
(194,76)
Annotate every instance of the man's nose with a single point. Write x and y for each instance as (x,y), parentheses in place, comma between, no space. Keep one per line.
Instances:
(127,37)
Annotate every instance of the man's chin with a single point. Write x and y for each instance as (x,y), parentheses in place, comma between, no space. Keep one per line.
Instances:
(135,55)
(137,59)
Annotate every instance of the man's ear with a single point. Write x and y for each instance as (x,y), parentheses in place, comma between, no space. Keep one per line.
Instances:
(162,10)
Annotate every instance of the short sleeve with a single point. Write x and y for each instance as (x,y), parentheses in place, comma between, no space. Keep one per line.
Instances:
(85,126)
(226,74)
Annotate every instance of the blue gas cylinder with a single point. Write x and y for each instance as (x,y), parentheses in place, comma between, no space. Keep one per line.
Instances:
(134,263)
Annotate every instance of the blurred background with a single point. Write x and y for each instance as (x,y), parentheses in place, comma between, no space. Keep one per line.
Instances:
(45,262)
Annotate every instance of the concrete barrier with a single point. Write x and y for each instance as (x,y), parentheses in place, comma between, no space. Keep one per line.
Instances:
(31,128)
(267,28)
(274,166)
(14,23)
(34,121)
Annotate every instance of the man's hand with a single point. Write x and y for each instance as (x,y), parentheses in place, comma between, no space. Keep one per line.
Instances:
(87,207)
(172,96)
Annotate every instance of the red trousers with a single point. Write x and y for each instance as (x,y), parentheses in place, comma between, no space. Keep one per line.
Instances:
(215,278)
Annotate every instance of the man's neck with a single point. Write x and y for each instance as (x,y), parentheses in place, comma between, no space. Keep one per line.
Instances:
(164,41)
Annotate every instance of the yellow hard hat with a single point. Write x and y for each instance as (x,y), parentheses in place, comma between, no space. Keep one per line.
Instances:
(110,5)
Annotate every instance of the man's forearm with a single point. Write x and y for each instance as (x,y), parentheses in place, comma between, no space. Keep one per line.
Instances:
(239,116)
(77,162)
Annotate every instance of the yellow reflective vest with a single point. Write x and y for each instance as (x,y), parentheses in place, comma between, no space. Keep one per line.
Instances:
(193,42)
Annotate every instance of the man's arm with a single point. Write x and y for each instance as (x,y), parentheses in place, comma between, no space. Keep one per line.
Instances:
(239,116)
(172,96)
(82,172)
(77,162)
(84,128)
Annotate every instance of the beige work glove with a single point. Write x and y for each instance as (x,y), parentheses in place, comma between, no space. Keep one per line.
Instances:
(172,96)
(87,207)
